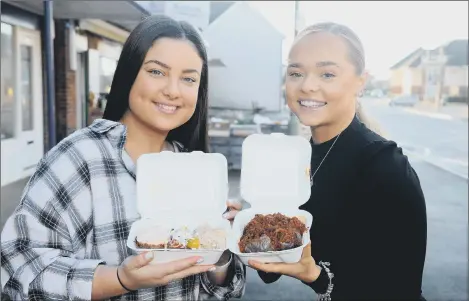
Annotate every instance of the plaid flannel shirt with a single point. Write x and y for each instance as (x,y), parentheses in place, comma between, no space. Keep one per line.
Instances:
(75,213)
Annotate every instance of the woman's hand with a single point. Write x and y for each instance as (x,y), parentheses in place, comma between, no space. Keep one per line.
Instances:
(136,273)
(305,270)
(233,207)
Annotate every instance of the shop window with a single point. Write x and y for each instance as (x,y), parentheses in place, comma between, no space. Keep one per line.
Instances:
(8,103)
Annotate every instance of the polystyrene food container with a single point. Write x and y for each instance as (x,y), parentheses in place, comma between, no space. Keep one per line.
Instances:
(275,178)
(180,189)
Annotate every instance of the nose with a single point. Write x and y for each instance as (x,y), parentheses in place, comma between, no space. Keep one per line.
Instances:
(310,84)
(171,90)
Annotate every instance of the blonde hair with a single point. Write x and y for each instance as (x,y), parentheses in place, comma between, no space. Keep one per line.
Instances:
(367,121)
(356,56)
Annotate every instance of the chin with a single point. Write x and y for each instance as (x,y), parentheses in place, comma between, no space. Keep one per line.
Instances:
(165,127)
(165,123)
(310,121)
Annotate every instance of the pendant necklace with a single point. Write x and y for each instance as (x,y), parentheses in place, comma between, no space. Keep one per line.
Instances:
(311,178)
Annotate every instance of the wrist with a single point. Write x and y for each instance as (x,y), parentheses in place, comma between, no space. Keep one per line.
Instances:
(123,280)
(313,275)
(105,283)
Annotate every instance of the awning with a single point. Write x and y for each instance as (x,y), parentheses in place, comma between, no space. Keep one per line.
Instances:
(126,14)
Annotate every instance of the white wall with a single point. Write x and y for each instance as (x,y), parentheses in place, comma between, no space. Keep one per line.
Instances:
(251,49)
(456,76)
(407,82)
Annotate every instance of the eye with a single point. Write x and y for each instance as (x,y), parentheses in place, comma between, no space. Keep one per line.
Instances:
(328,75)
(156,72)
(189,80)
(295,74)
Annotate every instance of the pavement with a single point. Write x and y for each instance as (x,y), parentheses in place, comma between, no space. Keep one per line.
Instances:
(10,198)
(425,138)
(448,111)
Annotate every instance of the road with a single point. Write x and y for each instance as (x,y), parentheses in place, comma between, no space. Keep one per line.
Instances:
(438,138)
(446,192)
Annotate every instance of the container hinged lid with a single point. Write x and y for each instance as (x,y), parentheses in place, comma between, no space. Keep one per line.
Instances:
(190,187)
(275,171)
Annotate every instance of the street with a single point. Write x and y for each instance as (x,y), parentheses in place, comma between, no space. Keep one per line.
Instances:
(437,148)
(435,137)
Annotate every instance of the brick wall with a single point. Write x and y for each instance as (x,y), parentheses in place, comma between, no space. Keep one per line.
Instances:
(65,85)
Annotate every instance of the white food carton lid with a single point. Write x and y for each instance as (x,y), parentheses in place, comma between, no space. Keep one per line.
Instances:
(275,171)
(179,189)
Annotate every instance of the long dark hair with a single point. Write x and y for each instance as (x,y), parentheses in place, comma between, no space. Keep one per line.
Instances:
(192,134)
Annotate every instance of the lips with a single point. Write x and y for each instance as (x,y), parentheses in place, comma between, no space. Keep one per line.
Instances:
(312,103)
(165,108)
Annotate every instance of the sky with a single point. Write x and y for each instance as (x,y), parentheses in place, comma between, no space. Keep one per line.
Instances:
(389,30)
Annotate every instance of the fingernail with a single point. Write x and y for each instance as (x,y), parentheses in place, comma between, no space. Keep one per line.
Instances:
(200,260)
(226,215)
(149,255)
(212,269)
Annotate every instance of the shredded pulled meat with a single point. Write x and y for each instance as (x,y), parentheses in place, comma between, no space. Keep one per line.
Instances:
(272,232)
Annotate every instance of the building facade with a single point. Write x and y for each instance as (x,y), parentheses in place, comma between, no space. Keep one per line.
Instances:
(433,75)
(86,46)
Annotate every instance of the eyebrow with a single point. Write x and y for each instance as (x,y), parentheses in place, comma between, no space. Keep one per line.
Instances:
(319,64)
(169,68)
(326,63)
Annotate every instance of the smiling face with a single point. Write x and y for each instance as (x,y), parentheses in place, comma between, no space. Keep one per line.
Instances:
(164,94)
(321,82)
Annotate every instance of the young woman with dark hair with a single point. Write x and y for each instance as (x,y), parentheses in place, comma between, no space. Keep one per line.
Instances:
(67,238)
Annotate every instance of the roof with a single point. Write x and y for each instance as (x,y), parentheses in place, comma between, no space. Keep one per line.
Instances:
(217,8)
(409,59)
(456,51)
(416,62)
(220,8)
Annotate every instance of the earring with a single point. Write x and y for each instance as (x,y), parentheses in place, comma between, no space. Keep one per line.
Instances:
(360,94)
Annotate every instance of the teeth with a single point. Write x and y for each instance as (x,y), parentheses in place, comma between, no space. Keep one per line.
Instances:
(166,108)
(312,103)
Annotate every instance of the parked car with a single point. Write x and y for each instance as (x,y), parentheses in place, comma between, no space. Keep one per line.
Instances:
(377,93)
(454,99)
(404,101)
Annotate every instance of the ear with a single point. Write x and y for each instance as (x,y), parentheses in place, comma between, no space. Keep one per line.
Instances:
(362,82)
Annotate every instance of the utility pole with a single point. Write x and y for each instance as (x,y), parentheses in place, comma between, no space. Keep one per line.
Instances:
(297,16)
(49,56)
(293,123)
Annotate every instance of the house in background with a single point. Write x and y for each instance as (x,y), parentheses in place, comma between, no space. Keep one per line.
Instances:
(406,75)
(445,72)
(250,47)
(244,52)
(433,75)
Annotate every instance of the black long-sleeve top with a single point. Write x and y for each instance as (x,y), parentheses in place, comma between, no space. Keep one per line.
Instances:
(369,219)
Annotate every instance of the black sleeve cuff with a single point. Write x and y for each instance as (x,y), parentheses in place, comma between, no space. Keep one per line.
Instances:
(321,284)
(268,277)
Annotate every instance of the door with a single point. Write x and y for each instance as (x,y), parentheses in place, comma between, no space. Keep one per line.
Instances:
(22,120)
(29,87)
